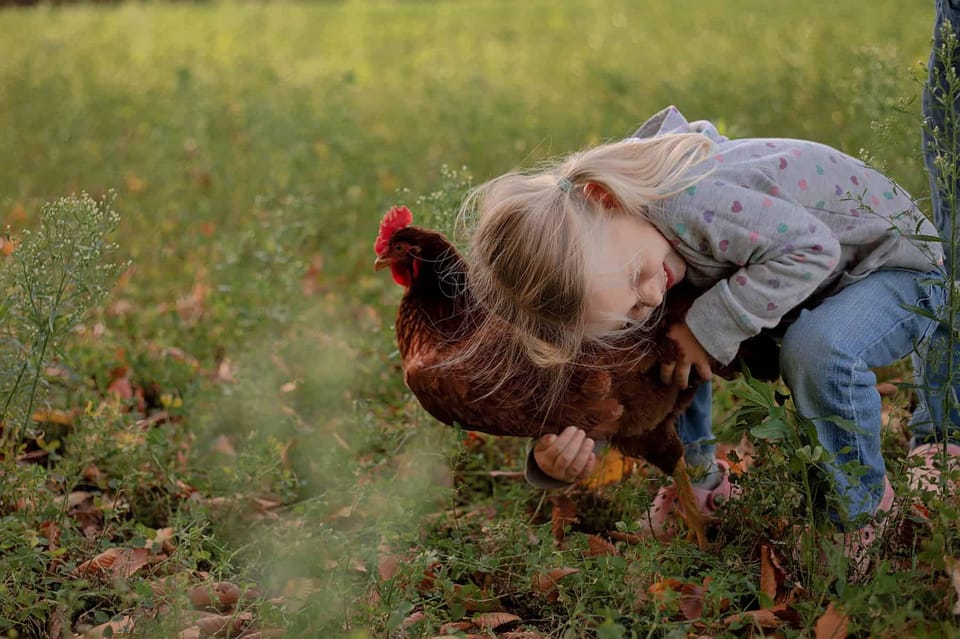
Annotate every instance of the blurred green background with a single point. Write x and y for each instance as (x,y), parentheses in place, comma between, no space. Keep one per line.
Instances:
(192,111)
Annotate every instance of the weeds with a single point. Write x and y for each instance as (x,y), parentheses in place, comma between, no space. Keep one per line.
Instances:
(57,275)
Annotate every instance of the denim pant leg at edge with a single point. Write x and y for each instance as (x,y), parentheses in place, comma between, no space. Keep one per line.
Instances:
(826,360)
(695,427)
(937,415)
(935,117)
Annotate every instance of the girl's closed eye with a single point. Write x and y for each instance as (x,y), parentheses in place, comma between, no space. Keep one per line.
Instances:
(631,269)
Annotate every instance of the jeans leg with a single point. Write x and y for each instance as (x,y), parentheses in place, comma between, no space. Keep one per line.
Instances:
(944,190)
(826,357)
(695,427)
(937,417)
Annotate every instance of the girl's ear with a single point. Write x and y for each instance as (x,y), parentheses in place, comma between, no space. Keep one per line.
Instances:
(599,193)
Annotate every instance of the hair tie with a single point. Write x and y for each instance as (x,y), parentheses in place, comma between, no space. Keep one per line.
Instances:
(565,185)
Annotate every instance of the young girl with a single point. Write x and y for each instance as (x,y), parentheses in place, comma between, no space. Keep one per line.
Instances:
(786,236)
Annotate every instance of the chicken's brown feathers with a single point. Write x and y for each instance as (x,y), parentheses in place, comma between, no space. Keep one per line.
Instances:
(612,393)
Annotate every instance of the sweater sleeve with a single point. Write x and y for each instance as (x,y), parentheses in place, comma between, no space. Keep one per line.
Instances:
(779,254)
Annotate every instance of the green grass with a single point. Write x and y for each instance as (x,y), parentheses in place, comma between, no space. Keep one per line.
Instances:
(246,141)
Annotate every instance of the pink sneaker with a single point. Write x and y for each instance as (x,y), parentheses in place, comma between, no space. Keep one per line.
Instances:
(857,543)
(661,519)
(926,475)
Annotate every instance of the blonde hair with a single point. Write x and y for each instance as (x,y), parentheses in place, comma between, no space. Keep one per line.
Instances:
(532,235)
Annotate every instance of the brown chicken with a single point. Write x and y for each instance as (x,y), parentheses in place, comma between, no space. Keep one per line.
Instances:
(612,394)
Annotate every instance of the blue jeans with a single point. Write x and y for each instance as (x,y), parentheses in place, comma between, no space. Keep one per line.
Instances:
(826,358)
(944,190)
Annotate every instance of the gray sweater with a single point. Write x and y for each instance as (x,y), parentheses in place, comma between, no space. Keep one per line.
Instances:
(780,223)
(777,224)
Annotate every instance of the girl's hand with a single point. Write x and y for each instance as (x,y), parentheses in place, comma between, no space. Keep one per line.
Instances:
(690,355)
(567,457)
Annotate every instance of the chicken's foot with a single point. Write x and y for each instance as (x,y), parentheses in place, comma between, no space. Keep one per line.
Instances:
(688,511)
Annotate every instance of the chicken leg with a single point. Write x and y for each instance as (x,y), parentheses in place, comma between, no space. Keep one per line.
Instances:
(688,511)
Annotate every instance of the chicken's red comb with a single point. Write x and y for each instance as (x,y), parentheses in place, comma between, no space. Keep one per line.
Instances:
(395,219)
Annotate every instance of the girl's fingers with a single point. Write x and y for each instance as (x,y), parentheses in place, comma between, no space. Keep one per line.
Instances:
(571,448)
(666,372)
(704,371)
(545,442)
(682,375)
(591,464)
(579,463)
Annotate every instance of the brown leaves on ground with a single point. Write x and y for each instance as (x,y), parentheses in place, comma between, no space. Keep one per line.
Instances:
(612,467)
(217,609)
(953,572)
(689,598)
(832,625)
(120,562)
(547,583)
(772,575)
(563,514)
(483,624)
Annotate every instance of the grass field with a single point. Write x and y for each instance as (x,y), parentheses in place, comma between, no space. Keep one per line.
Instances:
(239,387)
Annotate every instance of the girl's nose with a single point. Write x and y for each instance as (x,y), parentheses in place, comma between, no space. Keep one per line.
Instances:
(651,293)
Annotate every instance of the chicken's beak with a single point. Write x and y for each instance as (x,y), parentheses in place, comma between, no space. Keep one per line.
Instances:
(382,262)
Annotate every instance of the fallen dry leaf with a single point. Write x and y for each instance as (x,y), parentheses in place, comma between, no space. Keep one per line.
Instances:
(222,445)
(93,475)
(546,583)
(263,504)
(220,596)
(563,513)
(222,625)
(598,546)
(162,541)
(192,306)
(387,567)
(135,183)
(493,620)
(118,627)
(121,387)
(311,281)
(474,599)
(953,570)
(691,595)
(7,246)
(629,538)
(226,371)
(767,618)
(51,531)
(771,573)
(121,562)
(53,416)
(659,588)
(454,627)
(263,633)
(415,617)
(611,468)
(832,625)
